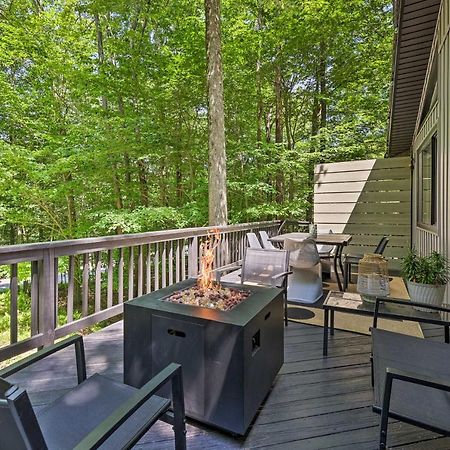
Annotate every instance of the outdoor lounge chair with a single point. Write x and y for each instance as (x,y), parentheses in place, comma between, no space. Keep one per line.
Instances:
(253,241)
(97,412)
(262,267)
(350,260)
(265,240)
(305,283)
(411,381)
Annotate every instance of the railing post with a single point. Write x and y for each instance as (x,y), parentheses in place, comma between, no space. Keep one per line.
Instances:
(47,305)
(193,258)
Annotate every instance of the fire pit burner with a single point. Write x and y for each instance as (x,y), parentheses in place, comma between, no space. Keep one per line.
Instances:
(216,297)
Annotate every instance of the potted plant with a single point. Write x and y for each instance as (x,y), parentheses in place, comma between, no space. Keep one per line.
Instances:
(426,277)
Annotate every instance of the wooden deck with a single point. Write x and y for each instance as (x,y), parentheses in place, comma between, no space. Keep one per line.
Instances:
(316,402)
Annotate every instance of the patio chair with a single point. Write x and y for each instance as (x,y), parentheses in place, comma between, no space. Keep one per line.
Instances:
(265,240)
(350,260)
(411,382)
(253,241)
(97,412)
(262,267)
(305,283)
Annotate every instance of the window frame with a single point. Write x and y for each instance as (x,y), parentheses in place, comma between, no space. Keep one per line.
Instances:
(431,146)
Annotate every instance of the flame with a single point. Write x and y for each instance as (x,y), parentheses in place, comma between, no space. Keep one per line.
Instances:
(207,252)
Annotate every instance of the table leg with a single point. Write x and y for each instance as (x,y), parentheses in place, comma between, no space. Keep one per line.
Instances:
(341,249)
(335,266)
(332,322)
(325,332)
(447,335)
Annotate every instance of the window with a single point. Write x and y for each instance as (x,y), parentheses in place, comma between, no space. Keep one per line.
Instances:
(427,184)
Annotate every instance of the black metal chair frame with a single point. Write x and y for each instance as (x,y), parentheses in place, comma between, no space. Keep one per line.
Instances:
(398,301)
(407,377)
(348,263)
(16,398)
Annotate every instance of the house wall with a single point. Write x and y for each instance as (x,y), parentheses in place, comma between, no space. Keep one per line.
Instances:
(437,120)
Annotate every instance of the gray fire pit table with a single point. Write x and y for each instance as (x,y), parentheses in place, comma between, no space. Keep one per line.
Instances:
(229,359)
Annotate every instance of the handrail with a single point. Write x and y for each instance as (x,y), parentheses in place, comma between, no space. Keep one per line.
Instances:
(103,272)
(106,242)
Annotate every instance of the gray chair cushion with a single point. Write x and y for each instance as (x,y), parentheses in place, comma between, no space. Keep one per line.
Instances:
(70,418)
(423,357)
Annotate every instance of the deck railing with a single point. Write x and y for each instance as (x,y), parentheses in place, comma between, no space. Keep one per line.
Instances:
(70,285)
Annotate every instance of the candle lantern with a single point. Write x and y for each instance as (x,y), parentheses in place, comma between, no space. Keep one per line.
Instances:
(373,277)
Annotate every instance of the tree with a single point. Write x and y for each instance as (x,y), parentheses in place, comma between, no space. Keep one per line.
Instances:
(217,185)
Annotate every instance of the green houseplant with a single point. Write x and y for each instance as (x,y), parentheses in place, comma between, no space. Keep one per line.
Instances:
(426,277)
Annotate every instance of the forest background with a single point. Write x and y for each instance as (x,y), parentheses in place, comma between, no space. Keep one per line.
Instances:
(103,109)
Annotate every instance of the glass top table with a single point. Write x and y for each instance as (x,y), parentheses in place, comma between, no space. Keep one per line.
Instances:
(391,308)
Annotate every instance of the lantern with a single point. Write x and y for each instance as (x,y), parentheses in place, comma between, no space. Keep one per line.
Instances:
(373,277)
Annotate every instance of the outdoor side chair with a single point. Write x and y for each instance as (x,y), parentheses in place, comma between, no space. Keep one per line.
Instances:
(411,382)
(97,413)
(262,267)
(350,259)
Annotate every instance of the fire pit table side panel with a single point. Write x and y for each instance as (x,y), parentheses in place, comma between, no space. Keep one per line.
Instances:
(263,355)
(137,355)
(224,378)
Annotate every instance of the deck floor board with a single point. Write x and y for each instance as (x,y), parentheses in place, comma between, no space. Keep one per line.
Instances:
(315,403)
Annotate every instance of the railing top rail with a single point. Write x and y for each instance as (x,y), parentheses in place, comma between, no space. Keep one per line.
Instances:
(123,240)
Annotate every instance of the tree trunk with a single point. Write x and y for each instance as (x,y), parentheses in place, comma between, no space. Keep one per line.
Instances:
(101,54)
(323,86)
(218,213)
(279,179)
(143,188)
(117,190)
(259,101)
(71,210)
(315,110)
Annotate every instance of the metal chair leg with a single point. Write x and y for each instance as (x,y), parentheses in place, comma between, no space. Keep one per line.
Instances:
(385,411)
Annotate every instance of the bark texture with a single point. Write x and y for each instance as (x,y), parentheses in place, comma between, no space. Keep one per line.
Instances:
(218,212)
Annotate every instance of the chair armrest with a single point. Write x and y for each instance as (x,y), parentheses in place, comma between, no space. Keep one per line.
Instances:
(221,270)
(282,275)
(77,341)
(104,430)
(415,378)
(401,301)
(409,303)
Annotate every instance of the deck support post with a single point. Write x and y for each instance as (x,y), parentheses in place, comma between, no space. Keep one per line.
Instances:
(47,304)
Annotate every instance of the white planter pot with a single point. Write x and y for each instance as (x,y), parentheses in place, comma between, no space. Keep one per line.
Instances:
(430,294)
